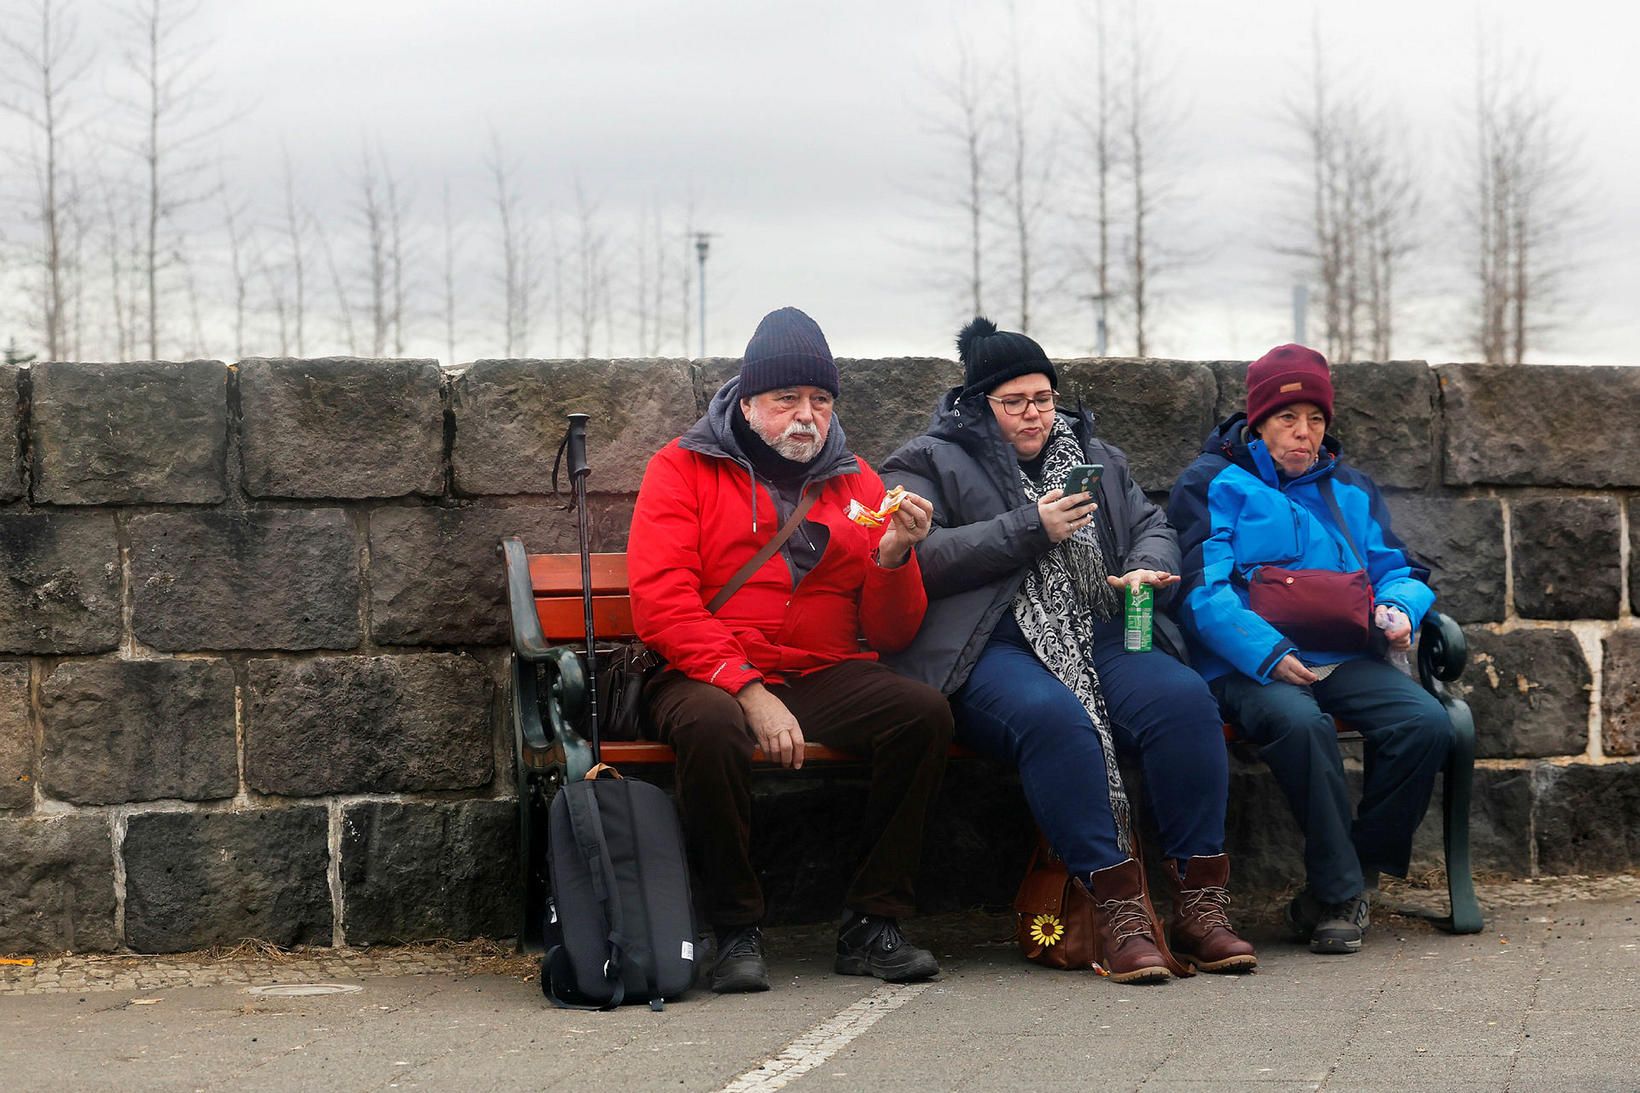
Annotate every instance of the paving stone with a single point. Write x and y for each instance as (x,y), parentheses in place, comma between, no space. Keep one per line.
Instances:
(1488,441)
(510,417)
(196,879)
(1568,563)
(435,576)
(341,427)
(16,738)
(267,579)
(130,433)
(11,423)
(1587,817)
(118,731)
(59,583)
(414,871)
(1620,695)
(1529,691)
(1462,540)
(57,884)
(359,724)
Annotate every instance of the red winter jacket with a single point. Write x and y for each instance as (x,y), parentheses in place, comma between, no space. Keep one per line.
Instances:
(695,524)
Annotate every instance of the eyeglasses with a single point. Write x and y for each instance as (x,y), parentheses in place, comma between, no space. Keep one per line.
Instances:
(1014,405)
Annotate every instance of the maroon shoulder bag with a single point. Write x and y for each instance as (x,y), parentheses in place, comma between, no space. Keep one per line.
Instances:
(1318,609)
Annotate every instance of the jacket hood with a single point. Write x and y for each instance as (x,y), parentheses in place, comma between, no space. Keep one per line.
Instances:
(1232,440)
(714,435)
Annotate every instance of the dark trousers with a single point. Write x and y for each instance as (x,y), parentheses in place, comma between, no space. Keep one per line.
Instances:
(1407,735)
(1013,709)
(901,727)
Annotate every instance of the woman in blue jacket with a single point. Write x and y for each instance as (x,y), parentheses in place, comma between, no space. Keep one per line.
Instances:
(1270,489)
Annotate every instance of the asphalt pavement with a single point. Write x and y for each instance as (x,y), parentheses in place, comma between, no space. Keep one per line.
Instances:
(1547,998)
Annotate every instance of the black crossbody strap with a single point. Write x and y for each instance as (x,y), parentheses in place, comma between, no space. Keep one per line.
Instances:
(755,563)
(1343,524)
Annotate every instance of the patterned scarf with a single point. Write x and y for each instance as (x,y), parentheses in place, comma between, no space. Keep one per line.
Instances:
(1064,592)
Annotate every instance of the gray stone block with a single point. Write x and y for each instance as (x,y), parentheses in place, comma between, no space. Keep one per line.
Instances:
(268,579)
(1557,443)
(1634,555)
(57,885)
(1500,823)
(414,871)
(1231,378)
(59,583)
(1588,817)
(130,433)
(368,724)
(120,730)
(1156,411)
(1529,691)
(1567,557)
(11,456)
(435,577)
(1265,847)
(16,738)
(1462,540)
(887,402)
(341,427)
(710,373)
(1620,695)
(196,879)
(510,417)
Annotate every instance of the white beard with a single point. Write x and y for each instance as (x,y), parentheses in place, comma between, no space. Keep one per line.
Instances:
(798,442)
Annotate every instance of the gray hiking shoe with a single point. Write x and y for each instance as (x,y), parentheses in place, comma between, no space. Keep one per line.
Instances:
(1341,926)
(873,945)
(739,967)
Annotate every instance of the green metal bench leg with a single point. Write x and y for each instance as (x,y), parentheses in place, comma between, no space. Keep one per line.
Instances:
(1457,790)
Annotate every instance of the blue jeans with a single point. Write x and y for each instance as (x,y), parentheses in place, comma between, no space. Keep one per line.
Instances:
(1012,708)
(1407,735)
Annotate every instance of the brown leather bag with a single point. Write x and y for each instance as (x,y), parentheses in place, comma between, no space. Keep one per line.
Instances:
(1053,919)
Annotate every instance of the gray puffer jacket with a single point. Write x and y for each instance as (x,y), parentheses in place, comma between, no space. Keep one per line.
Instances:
(986,533)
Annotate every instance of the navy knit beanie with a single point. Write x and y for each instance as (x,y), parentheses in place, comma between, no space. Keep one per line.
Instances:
(787,350)
(991,357)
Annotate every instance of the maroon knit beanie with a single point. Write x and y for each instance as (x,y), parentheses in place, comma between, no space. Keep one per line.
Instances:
(1285,375)
(787,350)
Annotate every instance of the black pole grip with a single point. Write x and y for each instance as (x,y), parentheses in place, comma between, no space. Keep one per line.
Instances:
(578,467)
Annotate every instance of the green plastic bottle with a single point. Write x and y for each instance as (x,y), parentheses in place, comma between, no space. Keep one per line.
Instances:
(1136,619)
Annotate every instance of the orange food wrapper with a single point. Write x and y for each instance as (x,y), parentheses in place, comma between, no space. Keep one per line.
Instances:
(877,518)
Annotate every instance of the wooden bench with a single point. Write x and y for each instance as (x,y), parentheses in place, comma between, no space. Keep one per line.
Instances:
(549,690)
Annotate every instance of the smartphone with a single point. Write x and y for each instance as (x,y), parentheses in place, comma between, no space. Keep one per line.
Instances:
(1083,478)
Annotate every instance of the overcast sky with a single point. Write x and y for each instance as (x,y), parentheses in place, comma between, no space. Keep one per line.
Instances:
(805,138)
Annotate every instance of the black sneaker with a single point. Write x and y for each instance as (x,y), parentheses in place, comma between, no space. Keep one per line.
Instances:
(1302,914)
(1341,926)
(739,967)
(873,945)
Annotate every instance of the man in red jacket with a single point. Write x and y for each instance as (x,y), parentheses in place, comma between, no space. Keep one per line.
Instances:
(780,661)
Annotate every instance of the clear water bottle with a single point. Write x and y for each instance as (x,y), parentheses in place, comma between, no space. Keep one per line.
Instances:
(1386,618)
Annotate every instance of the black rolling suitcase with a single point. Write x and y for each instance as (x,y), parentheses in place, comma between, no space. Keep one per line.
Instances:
(620,923)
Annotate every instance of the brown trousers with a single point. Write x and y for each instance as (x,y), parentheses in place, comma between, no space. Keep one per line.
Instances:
(901,727)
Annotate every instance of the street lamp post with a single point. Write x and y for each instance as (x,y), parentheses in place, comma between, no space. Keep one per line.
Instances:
(702,244)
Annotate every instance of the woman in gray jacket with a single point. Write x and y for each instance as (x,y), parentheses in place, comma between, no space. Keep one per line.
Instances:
(1024,633)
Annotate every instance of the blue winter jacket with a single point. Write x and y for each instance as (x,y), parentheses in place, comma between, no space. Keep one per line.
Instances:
(1234,512)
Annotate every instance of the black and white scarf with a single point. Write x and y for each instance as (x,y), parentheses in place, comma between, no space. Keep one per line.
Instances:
(1063,594)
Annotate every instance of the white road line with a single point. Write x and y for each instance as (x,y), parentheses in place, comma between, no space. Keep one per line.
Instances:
(824,1040)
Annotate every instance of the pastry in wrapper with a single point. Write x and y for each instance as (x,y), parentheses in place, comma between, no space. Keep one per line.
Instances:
(875,519)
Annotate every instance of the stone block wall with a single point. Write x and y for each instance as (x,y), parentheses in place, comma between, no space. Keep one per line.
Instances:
(252,640)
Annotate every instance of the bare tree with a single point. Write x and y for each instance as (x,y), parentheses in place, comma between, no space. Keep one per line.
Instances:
(1521,207)
(240,265)
(518,253)
(967,125)
(1095,114)
(1030,172)
(338,285)
(296,233)
(373,215)
(45,63)
(591,268)
(1363,214)
(449,281)
(173,104)
(1142,202)
(397,213)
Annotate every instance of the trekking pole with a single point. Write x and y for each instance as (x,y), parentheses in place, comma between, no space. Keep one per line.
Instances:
(578,471)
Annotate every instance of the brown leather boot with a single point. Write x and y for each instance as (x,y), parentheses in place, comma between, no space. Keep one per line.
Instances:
(1200,931)
(1124,920)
